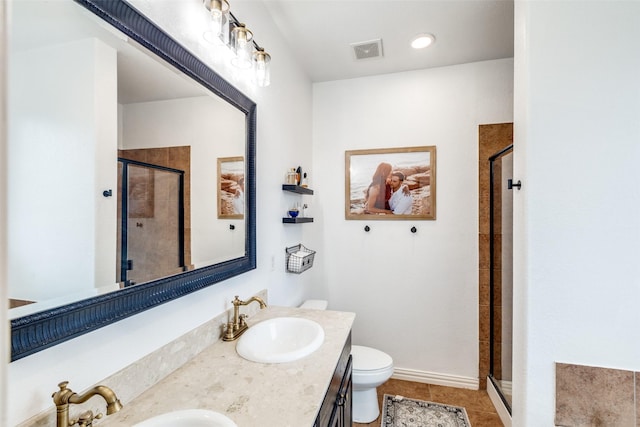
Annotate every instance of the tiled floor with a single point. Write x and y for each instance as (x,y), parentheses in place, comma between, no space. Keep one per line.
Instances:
(477,403)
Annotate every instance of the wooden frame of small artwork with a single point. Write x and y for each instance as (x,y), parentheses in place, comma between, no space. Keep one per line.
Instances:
(370,178)
(231,193)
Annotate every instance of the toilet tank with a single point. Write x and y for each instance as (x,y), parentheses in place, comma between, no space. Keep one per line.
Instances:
(315,304)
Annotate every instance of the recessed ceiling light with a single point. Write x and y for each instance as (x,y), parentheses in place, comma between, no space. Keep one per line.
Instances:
(422,40)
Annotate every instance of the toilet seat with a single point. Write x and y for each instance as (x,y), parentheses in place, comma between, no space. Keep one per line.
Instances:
(370,360)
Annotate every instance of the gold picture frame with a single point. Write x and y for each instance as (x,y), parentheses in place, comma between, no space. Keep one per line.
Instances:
(370,177)
(231,194)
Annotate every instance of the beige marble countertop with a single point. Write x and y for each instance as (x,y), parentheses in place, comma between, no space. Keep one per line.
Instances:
(251,394)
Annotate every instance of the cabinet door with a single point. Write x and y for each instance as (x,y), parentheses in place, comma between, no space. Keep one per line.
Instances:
(330,412)
(347,419)
(341,415)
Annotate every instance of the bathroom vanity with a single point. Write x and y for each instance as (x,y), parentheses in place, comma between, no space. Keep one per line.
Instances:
(313,391)
(337,404)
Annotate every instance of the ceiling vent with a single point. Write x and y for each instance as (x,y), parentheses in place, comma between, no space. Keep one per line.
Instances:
(367,50)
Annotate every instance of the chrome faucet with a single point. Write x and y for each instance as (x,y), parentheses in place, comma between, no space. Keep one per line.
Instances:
(239,324)
(64,397)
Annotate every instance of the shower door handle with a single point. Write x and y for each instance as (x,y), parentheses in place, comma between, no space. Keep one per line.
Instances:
(510,184)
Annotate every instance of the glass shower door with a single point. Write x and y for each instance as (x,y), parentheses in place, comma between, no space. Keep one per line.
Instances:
(501,273)
(150,222)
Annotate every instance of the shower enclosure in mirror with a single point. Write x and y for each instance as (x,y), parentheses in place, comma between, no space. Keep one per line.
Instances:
(151,213)
(96,91)
(501,273)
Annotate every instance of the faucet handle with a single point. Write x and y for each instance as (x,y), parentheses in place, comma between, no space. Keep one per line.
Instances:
(242,318)
(62,395)
(229,330)
(85,419)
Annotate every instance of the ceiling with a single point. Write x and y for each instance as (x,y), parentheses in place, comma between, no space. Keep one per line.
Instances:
(320,33)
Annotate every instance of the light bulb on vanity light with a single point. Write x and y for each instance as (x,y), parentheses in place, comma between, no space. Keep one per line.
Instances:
(217,32)
(262,67)
(220,19)
(241,44)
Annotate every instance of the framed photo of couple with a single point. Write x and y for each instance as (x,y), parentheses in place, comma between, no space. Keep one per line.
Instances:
(391,184)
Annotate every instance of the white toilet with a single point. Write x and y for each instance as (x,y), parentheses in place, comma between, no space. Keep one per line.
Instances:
(371,368)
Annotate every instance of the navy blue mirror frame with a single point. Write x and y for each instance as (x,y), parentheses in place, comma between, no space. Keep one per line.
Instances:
(36,332)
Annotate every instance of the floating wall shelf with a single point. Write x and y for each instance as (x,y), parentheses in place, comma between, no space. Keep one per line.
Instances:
(296,220)
(296,189)
(299,190)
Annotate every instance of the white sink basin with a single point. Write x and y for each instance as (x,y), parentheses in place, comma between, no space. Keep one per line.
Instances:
(188,418)
(279,340)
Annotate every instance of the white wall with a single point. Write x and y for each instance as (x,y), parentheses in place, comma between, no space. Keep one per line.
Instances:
(52,143)
(577,229)
(283,140)
(415,295)
(4,295)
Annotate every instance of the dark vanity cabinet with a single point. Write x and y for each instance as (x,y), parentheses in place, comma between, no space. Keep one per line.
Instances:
(336,406)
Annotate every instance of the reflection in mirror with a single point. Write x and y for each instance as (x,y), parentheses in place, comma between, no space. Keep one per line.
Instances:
(151,212)
(231,187)
(114,163)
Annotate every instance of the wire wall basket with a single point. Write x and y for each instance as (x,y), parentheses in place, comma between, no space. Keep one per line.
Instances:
(299,258)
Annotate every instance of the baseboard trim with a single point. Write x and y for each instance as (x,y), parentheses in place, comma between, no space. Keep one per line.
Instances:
(502,411)
(435,378)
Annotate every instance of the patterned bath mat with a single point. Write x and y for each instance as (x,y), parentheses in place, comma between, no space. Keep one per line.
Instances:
(398,411)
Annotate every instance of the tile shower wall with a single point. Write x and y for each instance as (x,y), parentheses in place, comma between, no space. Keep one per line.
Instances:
(492,138)
(172,157)
(588,396)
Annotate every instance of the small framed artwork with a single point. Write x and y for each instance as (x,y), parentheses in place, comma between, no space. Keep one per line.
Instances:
(391,184)
(231,199)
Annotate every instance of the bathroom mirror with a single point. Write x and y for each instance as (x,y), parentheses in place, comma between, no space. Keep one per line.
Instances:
(87,127)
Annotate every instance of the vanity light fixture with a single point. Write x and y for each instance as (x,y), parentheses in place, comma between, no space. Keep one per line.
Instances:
(262,67)
(422,40)
(226,29)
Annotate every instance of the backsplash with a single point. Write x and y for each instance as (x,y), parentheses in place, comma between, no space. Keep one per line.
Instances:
(588,396)
(136,378)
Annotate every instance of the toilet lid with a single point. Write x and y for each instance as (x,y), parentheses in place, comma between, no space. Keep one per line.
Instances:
(369,359)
